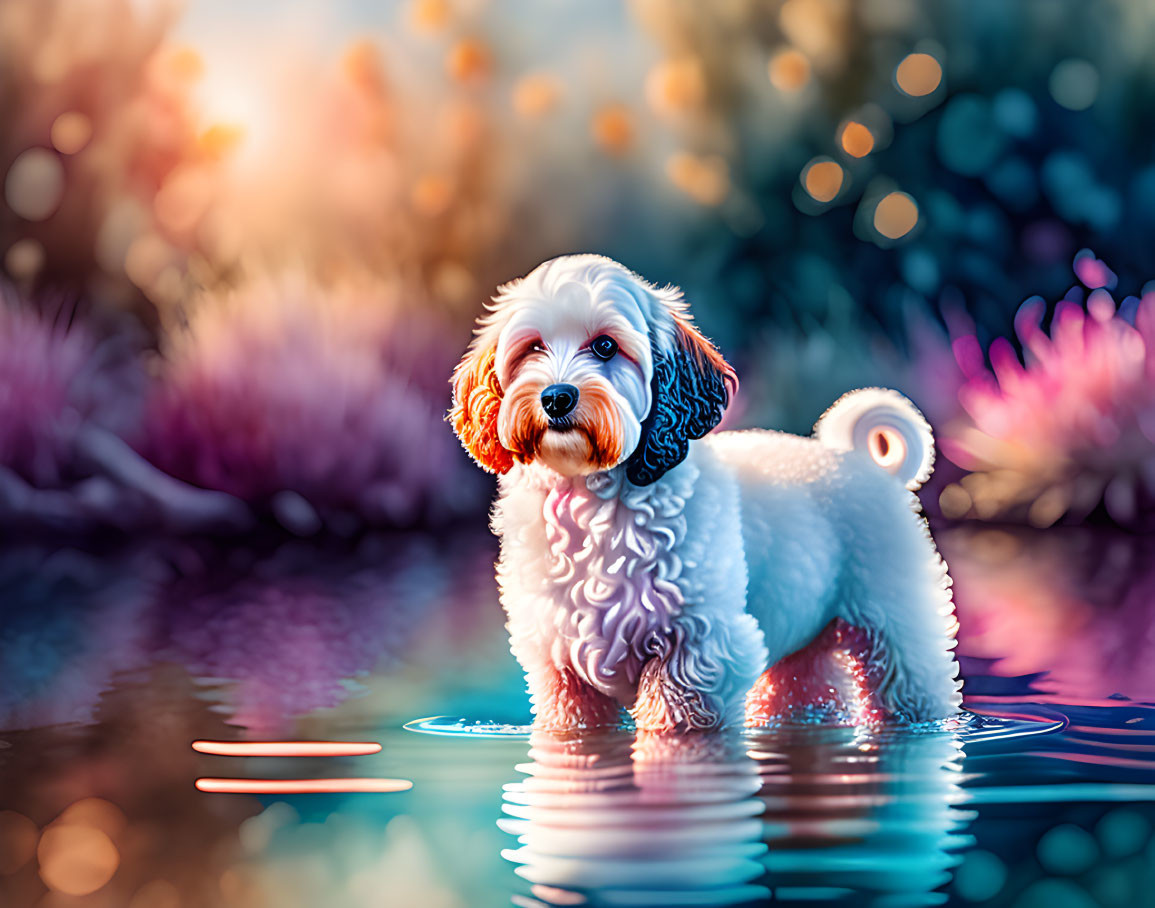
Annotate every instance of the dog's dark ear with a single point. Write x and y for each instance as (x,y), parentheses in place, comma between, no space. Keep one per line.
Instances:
(476,402)
(691,388)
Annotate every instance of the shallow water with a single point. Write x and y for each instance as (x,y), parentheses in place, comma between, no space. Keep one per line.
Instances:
(113,663)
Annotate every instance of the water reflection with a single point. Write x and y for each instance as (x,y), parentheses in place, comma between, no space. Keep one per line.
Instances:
(1070,611)
(811,814)
(69,622)
(654,820)
(268,632)
(295,630)
(861,816)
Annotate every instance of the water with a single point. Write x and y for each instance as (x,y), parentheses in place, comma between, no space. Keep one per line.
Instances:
(114,662)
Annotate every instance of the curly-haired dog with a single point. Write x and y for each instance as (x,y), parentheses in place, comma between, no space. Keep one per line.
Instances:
(649,565)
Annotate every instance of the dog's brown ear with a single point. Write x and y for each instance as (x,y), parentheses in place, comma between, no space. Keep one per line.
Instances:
(691,388)
(476,402)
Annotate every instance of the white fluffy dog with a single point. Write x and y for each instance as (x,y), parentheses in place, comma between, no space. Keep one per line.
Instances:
(682,575)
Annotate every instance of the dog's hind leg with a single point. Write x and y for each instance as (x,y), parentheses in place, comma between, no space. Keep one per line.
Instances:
(831,678)
(909,616)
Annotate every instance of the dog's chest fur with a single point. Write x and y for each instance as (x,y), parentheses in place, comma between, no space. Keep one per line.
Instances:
(603,554)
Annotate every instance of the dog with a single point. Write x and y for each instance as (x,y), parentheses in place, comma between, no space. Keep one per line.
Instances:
(696,580)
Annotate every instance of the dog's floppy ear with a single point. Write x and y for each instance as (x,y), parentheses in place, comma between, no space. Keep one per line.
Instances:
(691,388)
(476,402)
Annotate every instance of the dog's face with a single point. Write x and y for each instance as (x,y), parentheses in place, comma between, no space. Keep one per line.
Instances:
(581,366)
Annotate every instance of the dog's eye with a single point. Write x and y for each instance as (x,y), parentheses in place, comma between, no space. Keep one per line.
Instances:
(604,346)
(537,347)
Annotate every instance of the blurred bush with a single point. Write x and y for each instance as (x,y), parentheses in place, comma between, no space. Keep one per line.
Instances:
(318,406)
(843,189)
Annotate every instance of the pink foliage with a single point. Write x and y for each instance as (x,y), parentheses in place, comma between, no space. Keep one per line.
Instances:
(1073,425)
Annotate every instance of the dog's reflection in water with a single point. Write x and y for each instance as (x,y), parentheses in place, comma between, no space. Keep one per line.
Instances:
(816,815)
(657,820)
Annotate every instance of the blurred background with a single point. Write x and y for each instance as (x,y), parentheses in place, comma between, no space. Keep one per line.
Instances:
(242,247)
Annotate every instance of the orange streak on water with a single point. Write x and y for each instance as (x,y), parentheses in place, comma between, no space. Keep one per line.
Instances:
(286,748)
(301,786)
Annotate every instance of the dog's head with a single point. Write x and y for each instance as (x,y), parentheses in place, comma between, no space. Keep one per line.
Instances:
(582,365)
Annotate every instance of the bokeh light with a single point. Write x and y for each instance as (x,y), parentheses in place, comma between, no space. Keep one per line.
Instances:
(429,15)
(536,95)
(814,26)
(823,179)
(432,194)
(1067,849)
(856,139)
(676,86)
(706,179)
(76,859)
(34,184)
(1074,84)
(918,74)
(18,837)
(470,61)
(789,70)
(24,258)
(981,876)
(71,132)
(895,215)
(1122,833)
(613,128)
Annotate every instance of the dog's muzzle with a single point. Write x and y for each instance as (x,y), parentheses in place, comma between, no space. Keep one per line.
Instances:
(558,401)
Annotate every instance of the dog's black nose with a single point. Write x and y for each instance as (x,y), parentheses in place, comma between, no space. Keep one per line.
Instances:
(559,400)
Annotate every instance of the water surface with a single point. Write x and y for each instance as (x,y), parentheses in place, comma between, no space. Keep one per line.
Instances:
(114,662)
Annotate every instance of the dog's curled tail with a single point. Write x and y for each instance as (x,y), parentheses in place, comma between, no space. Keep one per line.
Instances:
(884,425)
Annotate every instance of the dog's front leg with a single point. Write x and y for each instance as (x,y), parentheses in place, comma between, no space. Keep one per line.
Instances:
(667,701)
(701,674)
(563,702)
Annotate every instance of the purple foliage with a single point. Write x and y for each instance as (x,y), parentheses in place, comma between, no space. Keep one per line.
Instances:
(287,388)
(56,377)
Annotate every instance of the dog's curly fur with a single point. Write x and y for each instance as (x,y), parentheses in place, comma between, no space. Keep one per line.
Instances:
(649,564)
